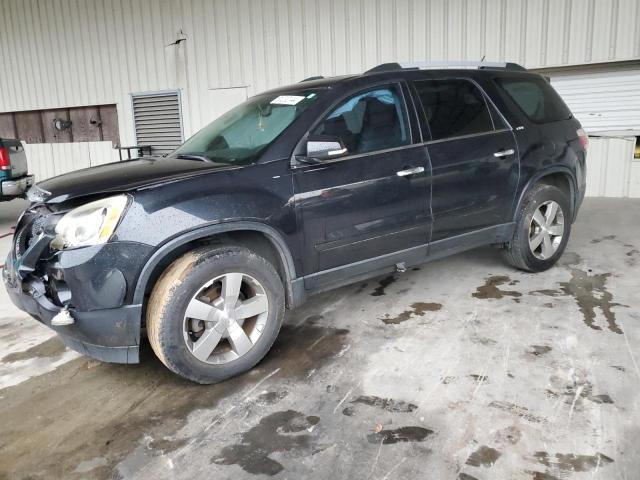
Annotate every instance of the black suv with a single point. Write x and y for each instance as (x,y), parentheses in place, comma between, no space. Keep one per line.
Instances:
(298,190)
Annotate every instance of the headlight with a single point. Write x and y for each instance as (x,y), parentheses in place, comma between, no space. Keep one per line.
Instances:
(90,224)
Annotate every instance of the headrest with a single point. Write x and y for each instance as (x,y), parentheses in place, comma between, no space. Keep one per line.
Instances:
(335,126)
(379,113)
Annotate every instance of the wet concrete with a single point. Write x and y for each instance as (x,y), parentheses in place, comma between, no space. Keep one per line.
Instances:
(417,309)
(491,289)
(277,432)
(402,434)
(52,348)
(483,457)
(590,293)
(462,382)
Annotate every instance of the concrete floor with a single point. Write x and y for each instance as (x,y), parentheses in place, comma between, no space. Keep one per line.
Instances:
(462,369)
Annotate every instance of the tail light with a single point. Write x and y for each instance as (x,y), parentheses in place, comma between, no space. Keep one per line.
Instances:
(584,138)
(5,164)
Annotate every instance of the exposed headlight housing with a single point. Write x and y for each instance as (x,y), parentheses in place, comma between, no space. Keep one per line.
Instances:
(90,224)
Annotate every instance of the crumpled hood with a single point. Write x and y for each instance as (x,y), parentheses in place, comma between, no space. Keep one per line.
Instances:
(119,177)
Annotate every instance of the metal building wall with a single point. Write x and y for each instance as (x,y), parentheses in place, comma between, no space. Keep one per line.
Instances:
(68,52)
(61,53)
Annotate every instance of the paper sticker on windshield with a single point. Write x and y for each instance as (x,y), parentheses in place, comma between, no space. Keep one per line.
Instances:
(287,100)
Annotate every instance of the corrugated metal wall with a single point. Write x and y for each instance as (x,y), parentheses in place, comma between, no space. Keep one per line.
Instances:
(611,169)
(48,160)
(64,53)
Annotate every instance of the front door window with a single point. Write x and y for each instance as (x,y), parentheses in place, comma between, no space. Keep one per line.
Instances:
(369,121)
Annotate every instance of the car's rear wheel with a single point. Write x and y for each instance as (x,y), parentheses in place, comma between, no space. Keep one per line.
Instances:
(543,225)
(215,312)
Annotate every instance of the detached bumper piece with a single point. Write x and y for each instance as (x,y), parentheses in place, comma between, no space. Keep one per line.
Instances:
(17,187)
(80,294)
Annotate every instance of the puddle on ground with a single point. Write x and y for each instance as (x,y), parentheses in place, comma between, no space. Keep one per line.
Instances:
(277,432)
(399,435)
(486,341)
(590,293)
(52,348)
(541,475)
(418,309)
(538,350)
(516,410)
(483,457)
(569,462)
(606,237)
(577,390)
(382,284)
(387,404)
(466,476)
(511,435)
(490,289)
(570,258)
(94,409)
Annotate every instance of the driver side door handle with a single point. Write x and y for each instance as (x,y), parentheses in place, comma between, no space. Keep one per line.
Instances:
(410,171)
(504,153)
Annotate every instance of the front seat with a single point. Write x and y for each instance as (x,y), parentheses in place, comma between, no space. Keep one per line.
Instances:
(337,127)
(380,126)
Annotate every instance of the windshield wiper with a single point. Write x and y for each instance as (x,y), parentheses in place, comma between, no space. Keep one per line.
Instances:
(202,158)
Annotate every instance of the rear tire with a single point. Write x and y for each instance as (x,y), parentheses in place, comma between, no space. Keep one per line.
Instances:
(543,225)
(193,301)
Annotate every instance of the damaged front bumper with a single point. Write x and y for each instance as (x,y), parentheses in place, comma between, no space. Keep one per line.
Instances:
(94,284)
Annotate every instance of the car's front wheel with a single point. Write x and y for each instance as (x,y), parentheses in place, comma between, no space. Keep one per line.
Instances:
(543,224)
(215,312)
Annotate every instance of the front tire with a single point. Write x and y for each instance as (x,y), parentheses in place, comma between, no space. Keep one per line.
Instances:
(215,312)
(543,225)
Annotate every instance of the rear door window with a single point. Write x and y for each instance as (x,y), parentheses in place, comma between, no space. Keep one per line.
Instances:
(454,108)
(369,121)
(536,98)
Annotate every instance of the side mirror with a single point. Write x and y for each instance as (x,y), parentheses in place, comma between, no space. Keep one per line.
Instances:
(323,147)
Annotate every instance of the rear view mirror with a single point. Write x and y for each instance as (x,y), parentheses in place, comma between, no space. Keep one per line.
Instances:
(323,147)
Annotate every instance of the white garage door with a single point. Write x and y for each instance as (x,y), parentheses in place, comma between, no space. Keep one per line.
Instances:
(605,102)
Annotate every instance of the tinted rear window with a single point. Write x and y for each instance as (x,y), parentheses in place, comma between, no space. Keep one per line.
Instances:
(453,107)
(536,98)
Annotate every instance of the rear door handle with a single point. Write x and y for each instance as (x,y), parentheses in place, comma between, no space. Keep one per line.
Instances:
(410,171)
(504,153)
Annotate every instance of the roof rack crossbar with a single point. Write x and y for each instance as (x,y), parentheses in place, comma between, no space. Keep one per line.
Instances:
(463,64)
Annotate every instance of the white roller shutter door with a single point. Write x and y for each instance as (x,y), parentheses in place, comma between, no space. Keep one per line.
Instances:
(605,102)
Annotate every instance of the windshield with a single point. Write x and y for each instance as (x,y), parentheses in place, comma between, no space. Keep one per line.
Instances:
(242,134)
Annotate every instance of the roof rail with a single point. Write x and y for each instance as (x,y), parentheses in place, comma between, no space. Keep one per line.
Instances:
(464,64)
(309,79)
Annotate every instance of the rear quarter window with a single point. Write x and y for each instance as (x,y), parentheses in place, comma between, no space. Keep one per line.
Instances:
(536,98)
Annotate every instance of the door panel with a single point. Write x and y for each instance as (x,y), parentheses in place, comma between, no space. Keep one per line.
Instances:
(472,188)
(358,208)
(473,185)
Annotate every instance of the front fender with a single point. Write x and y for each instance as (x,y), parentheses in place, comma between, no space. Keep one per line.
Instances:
(206,231)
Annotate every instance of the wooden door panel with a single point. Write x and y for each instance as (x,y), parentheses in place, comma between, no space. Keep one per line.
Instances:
(82,129)
(51,134)
(109,118)
(29,127)
(7,127)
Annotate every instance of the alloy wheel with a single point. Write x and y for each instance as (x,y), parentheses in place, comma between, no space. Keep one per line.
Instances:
(225,318)
(546,230)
